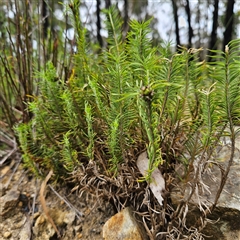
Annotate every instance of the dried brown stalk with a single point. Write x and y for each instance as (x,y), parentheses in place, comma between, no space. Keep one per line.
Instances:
(43,202)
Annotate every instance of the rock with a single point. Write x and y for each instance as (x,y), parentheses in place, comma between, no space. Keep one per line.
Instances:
(9,202)
(43,229)
(226,216)
(25,232)
(69,217)
(5,170)
(7,235)
(122,226)
(226,225)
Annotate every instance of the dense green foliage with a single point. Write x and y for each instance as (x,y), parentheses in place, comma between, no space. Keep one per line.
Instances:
(129,96)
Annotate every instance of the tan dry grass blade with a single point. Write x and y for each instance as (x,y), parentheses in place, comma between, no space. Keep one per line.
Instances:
(43,202)
(157,183)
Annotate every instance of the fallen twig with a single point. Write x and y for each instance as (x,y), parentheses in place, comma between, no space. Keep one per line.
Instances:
(7,139)
(10,153)
(78,213)
(14,170)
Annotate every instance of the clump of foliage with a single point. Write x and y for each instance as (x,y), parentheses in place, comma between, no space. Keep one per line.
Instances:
(129,98)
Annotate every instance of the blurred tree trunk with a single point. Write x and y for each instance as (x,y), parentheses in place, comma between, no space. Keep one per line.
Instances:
(229,22)
(45,17)
(139,8)
(198,17)
(99,37)
(108,4)
(213,40)
(126,18)
(175,14)
(2,22)
(190,30)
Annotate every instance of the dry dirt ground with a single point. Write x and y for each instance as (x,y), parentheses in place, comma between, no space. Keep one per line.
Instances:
(22,214)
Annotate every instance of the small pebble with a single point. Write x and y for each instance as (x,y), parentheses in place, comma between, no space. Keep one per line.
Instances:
(5,170)
(79,236)
(7,235)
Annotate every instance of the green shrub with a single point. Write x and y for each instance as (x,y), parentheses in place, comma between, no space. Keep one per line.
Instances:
(129,98)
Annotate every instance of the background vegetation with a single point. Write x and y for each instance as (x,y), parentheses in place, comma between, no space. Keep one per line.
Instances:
(87,106)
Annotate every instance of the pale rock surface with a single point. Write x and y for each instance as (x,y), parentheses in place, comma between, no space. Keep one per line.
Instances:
(227,213)
(122,226)
(7,235)
(9,202)
(25,232)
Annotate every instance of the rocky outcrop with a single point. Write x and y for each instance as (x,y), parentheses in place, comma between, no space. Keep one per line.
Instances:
(225,218)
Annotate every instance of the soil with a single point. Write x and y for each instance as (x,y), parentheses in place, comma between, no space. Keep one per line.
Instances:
(22,216)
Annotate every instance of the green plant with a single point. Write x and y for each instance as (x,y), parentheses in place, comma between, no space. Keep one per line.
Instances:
(130,98)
